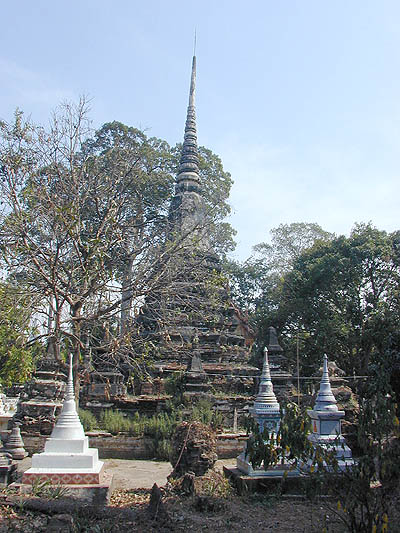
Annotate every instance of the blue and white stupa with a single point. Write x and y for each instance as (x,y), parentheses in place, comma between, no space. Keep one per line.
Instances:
(326,422)
(266,412)
(266,408)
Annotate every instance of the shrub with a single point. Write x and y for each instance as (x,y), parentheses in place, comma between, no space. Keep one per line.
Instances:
(89,421)
(114,422)
(203,412)
(175,386)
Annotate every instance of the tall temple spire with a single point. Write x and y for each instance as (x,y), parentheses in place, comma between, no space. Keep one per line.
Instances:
(187,215)
(189,162)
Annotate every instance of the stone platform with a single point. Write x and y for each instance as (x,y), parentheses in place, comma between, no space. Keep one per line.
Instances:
(65,476)
(275,482)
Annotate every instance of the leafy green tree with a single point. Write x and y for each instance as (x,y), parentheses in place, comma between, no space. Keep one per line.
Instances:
(342,296)
(17,352)
(288,242)
(256,284)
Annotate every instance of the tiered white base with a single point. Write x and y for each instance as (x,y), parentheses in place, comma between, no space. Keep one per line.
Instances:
(66,462)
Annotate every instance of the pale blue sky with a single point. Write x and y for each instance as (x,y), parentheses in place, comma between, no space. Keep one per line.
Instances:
(301,99)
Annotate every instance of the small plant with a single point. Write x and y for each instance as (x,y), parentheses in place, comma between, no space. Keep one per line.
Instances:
(290,443)
(43,488)
(89,421)
(217,486)
(39,486)
(203,412)
(175,386)
(163,450)
(114,422)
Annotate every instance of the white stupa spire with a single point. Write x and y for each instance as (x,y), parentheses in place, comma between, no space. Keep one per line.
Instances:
(325,399)
(68,425)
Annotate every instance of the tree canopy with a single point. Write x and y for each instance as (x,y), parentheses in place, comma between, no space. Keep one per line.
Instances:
(343,298)
(85,216)
(339,295)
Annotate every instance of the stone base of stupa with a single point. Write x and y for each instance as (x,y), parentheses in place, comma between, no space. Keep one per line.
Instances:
(279,470)
(65,476)
(87,493)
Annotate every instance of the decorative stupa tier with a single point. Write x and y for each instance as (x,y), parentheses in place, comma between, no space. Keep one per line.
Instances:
(67,457)
(326,421)
(193,314)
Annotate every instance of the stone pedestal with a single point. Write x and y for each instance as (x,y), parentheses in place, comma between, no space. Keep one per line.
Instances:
(14,444)
(105,386)
(8,407)
(41,399)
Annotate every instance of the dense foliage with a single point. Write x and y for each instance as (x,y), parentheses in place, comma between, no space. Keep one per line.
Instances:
(338,295)
(17,353)
(84,221)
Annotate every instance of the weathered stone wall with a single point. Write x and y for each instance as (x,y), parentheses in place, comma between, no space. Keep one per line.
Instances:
(125,447)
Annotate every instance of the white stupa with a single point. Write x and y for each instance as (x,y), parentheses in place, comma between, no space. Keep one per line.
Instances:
(326,422)
(67,458)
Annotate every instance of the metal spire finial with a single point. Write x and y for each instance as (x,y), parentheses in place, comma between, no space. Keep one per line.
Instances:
(189,162)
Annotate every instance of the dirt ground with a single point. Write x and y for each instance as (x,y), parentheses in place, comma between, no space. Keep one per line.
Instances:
(128,475)
(220,510)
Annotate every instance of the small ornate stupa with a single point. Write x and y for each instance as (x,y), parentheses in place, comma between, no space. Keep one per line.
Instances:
(266,409)
(326,421)
(266,412)
(14,444)
(67,458)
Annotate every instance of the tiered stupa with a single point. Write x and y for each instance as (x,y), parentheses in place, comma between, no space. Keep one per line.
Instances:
(266,412)
(279,365)
(266,408)
(326,422)
(67,458)
(194,314)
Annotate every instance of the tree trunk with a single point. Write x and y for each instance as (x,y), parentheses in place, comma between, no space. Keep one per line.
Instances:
(126,296)
(76,346)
